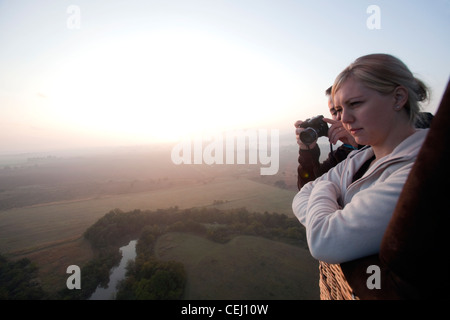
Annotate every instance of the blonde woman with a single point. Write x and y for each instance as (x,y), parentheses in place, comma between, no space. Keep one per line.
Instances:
(346,211)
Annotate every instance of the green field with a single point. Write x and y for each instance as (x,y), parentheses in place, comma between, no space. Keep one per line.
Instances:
(245,268)
(30,228)
(48,205)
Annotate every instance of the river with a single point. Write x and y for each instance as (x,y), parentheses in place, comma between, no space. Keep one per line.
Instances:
(117,274)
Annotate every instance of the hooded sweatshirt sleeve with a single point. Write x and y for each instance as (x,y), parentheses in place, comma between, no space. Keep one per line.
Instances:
(336,234)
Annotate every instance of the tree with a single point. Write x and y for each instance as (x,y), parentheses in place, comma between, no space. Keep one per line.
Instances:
(18,280)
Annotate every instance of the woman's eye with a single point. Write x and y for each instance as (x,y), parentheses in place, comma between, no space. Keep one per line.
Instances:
(355,103)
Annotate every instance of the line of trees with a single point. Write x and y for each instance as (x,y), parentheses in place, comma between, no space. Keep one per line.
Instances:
(118,227)
(19,280)
(148,278)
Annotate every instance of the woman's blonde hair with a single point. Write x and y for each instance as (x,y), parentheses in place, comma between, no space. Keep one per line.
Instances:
(384,73)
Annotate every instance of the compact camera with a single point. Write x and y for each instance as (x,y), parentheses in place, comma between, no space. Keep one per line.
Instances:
(314,128)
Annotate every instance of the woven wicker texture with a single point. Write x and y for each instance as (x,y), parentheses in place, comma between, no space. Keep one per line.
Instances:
(332,283)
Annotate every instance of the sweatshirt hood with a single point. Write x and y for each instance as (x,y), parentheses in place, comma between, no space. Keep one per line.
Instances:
(406,149)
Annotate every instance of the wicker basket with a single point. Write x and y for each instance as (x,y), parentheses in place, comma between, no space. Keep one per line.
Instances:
(332,283)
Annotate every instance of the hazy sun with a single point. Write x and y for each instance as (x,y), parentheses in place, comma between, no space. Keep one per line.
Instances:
(166,85)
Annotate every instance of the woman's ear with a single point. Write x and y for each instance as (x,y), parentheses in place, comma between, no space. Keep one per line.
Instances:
(400,96)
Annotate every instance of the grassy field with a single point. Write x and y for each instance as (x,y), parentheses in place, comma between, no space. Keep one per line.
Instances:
(245,268)
(47,203)
(54,259)
(51,234)
(31,228)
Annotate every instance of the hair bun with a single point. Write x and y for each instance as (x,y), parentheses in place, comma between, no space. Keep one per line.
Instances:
(421,91)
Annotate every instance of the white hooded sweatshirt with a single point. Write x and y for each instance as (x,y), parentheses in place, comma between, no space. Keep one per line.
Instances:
(346,221)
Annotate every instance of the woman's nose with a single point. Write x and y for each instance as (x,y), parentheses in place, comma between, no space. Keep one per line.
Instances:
(346,116)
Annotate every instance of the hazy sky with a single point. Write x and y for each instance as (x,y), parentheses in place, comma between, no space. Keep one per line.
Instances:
(93,73)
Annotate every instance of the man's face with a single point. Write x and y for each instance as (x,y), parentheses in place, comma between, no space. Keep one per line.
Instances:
(334,114)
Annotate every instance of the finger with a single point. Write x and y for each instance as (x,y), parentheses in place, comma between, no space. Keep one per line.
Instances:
(333,129)
(345,137)
(336,134)
(298,123)
(330,121)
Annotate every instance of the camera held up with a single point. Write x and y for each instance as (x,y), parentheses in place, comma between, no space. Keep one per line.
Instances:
(314,128)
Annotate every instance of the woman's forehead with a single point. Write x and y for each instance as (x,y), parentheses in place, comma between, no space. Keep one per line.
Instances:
(349,89)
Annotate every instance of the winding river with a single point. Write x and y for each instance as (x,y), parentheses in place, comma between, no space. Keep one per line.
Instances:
(117,274)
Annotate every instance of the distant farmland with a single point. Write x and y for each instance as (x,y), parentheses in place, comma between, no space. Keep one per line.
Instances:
(29,228)
(46,204)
